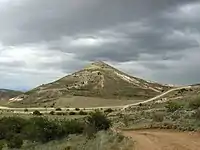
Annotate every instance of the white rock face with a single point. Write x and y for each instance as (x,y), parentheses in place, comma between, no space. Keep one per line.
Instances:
(127,78)
(15,99)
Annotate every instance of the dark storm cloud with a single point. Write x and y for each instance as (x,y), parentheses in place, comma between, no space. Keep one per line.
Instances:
(36,20)
(149,38)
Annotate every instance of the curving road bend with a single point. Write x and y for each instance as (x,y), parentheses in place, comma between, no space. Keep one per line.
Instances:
(113,107)
(157,97)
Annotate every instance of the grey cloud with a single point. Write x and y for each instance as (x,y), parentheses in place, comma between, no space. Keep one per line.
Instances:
(11,64)
(46,20)
(147,38)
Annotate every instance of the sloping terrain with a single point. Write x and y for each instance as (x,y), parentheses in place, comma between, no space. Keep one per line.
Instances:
(8,94)
(184,93)
(96,80)
(159,124)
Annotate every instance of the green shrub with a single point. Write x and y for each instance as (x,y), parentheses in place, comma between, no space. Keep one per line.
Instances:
(99,120)
(126,120)
(72,113)
(52,113)
(158,117)
(11,125)
(68,148)
(25,110)
(42,130)
(14,142)
(37,113)
(58,109)
(77,109)
(72,127)
(175,116)
(173,106)
(61,113)
(38,129)
(83,113)
(197,114)
(109,110)
(2,145)
(89,131)
(195,103)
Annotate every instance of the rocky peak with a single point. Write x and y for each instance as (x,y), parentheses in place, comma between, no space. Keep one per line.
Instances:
(98,65)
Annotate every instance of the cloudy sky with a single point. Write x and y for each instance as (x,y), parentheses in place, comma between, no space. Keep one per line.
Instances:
(43,40)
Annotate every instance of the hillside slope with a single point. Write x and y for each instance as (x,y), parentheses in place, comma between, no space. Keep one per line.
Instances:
(8,94)
(96,80)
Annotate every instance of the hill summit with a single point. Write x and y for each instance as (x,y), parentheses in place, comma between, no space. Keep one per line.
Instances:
(98,80)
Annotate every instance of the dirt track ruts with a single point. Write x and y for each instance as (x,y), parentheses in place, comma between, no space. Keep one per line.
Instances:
(121,107)
(156,97)
(164,140)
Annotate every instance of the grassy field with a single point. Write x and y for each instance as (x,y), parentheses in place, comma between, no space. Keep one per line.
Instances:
(77,102)
(83,102)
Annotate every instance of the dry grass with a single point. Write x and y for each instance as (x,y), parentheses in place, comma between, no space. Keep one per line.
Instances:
(80,102)
(60,117)
(84,102)
(184,93)
(102,141)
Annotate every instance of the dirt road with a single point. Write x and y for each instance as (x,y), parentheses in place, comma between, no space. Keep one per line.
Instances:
(113,107)
(164,140)
(157,97)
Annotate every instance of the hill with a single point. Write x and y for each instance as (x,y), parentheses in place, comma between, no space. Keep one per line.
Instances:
(97,80)
(6,94)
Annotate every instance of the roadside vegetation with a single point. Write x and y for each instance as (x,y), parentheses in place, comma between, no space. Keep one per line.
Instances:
(181,115)
(42,133)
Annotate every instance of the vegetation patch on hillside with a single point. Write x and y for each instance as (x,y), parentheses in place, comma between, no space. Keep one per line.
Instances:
(40,133)
(180,115)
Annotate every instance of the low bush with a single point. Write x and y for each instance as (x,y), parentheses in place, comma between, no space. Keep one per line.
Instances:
(11,125)
(37,113)
(195,103)
(14,142)
(52,113)
(38,129)
(25,110)
(77,109)
(43,130)
(14,130)
(175,116)
(72,113)
(83,113)
(61,113)
(173,106)
(126,120)
(2,144)
(89,131)
(197,114)
(73,127)
(109,110)
(99,120)
(158,117)
(58,109)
